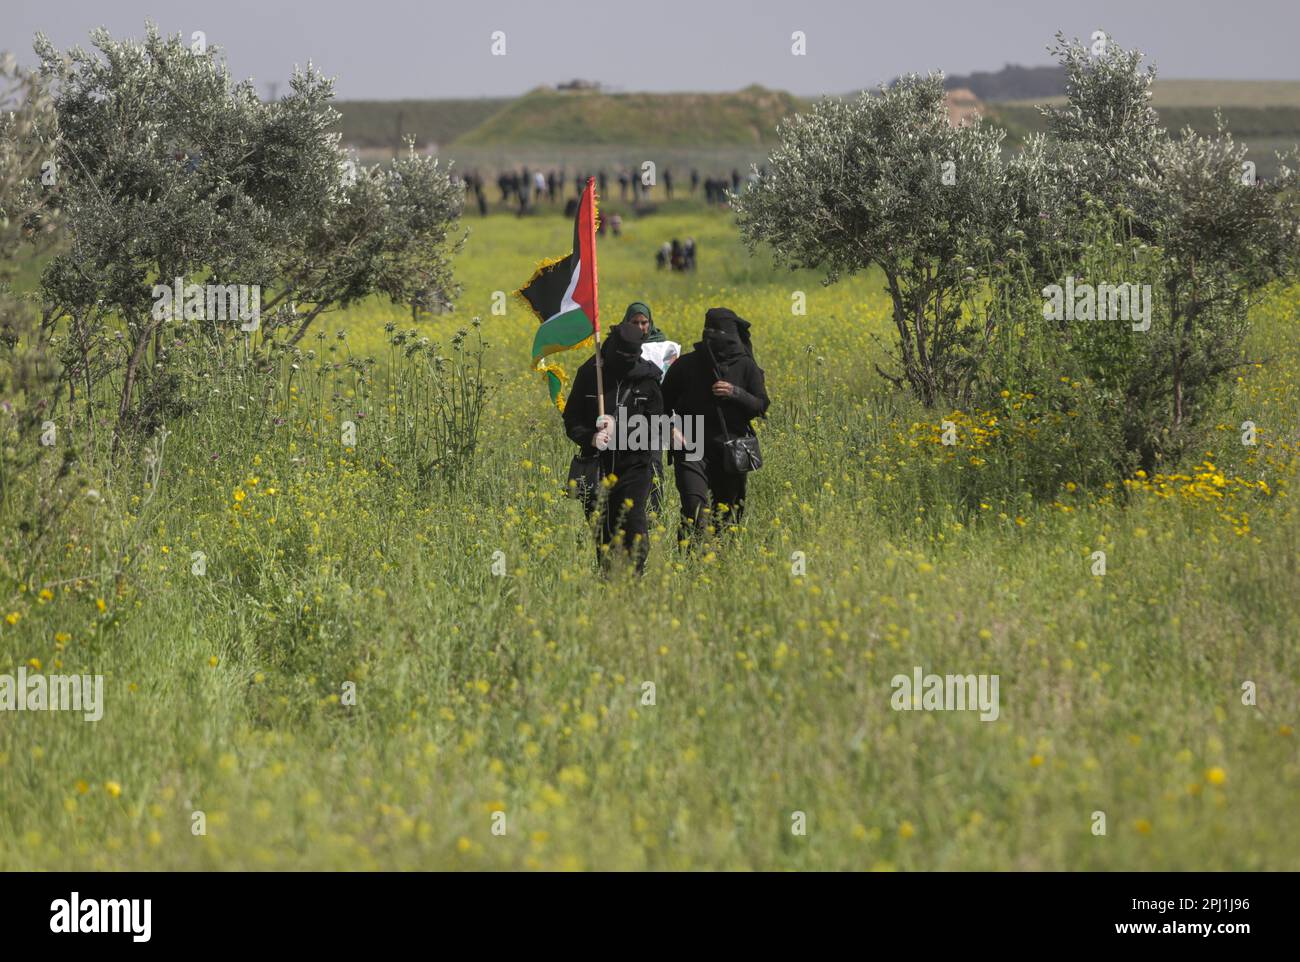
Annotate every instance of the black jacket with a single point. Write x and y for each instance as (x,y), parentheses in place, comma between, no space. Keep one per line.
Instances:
(688,391)
(637,392)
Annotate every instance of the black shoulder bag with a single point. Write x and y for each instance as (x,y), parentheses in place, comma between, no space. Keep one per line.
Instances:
(584,480)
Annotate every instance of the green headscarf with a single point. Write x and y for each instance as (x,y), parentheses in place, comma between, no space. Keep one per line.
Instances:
(639,307)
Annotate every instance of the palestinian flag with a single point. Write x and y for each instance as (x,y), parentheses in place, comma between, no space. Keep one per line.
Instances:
(562,293)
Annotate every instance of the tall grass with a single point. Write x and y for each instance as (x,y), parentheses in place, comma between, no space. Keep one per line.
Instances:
(327,564)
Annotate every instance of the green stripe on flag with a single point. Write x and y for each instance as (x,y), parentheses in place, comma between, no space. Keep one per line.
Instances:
(563,332)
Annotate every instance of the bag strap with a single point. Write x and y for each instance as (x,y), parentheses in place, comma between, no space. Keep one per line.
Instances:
(626,394)
(717,373)
(617,405)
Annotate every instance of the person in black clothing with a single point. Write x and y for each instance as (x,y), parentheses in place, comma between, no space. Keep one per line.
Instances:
(660,352)
(631,389)
(720,381)
(525,191)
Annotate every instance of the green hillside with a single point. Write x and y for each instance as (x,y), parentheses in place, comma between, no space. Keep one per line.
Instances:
(1201,93)
(1028,85)
(1266,127)
(1226,93)
(1266,112)
(547,116)
(383,123)
(1258,122)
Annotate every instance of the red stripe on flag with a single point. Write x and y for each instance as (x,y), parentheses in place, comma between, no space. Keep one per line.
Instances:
(585,292)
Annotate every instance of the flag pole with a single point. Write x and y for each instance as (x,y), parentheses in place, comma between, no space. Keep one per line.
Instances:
(590,228)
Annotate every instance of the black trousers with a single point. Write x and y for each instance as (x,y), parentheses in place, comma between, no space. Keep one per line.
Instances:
(588,489)
(624,510)
(710,496)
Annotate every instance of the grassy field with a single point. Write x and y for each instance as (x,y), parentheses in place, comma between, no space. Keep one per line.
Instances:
(523,694)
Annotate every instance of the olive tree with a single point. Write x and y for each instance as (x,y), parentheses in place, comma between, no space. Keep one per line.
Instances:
(390,235)
(884,180)
(35,483)
(167,169)
(1105,137)
(1223,237)
(1105,197)
(1197,224)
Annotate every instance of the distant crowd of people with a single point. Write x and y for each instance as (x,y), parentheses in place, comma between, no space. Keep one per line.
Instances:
(524,189)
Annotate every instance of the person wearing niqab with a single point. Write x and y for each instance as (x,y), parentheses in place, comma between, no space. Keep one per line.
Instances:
(721,382)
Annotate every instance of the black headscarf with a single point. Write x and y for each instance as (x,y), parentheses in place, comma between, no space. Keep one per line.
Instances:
(621,350)
(726,336)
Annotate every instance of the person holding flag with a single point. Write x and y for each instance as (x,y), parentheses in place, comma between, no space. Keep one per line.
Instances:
(631,389)
(562,293)
(661,352)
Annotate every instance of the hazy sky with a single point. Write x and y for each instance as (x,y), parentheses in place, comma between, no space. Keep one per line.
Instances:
(385,49)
